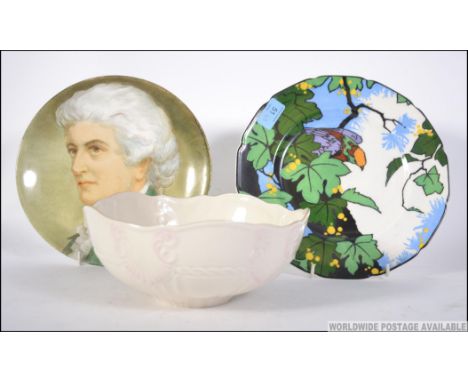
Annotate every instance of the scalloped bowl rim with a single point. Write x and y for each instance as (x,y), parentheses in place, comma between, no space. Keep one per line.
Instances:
(299,215)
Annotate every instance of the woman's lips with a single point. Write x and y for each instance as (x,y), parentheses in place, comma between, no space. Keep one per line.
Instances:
(85,183)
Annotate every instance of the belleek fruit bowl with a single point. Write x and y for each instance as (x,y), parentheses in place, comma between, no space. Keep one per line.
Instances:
(193,252)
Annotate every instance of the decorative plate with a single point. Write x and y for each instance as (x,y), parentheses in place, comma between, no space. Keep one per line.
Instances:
(365,161)
(99,137)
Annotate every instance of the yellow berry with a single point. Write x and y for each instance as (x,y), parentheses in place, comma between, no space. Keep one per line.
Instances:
(297,161)
(269,185)
(309,256)
(341,216)
(421,245)
(347,110)
(292,166)
(374,271)
(326,234)
(344,92)
(331,230)
(304,85)
(345,219)
(340,188)
(341,82)
(426,229)
(338,234)
(353,92)
(317,258)
(334,190)
(340,229)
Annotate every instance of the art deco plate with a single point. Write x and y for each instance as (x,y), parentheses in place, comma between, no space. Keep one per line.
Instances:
(366,162)
(103,136)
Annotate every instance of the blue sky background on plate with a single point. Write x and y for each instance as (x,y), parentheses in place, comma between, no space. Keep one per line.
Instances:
(263,180)
(333,105)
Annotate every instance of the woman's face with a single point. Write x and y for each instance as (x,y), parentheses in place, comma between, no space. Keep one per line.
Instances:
(98,162)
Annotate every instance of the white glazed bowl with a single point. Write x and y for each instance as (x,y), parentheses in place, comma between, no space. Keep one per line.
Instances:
(194,252)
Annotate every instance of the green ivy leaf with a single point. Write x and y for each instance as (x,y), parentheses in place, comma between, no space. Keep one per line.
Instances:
(430,182)
(370,83)
(298,110)
(278,147)
(414,209)
(323,251)
(402,99)
(318,81)
(71,240)
(354,83)
(352,196)
(302,264)
(276,197)
(325,212)
(321,175)
(395,164)
(303,148)
(335,83)
(441,157)
(259,141)
(425,144)
(363,251)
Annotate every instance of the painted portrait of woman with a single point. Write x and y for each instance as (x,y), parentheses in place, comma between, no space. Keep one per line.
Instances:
(118,140)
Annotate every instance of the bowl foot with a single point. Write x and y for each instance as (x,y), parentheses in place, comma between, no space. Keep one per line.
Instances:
(192,302)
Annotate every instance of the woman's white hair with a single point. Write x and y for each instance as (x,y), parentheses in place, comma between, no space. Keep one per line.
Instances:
(142,128)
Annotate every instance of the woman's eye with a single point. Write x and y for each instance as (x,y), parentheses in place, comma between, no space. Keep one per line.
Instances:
(95,149)
(72,152)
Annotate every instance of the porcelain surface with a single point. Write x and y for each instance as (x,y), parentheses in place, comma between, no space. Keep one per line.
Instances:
(99,137)
(362,158)
(193,252)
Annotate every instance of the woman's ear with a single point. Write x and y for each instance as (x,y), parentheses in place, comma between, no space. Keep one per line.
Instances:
(142,169)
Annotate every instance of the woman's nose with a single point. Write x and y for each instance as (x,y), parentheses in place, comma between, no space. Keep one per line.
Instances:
(79,164)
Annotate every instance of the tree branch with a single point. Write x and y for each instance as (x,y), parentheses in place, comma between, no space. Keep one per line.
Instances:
(382,116)
(421,167)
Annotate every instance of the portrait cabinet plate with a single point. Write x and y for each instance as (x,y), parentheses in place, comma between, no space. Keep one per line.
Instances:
(99,137)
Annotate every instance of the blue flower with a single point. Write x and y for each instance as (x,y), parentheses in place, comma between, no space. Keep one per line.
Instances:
(424,231)
(431,220)
(383,261)
(398,137)
(377,90)
(404,257)
(413,244)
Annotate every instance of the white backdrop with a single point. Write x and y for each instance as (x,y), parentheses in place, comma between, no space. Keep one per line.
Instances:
(44,290)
